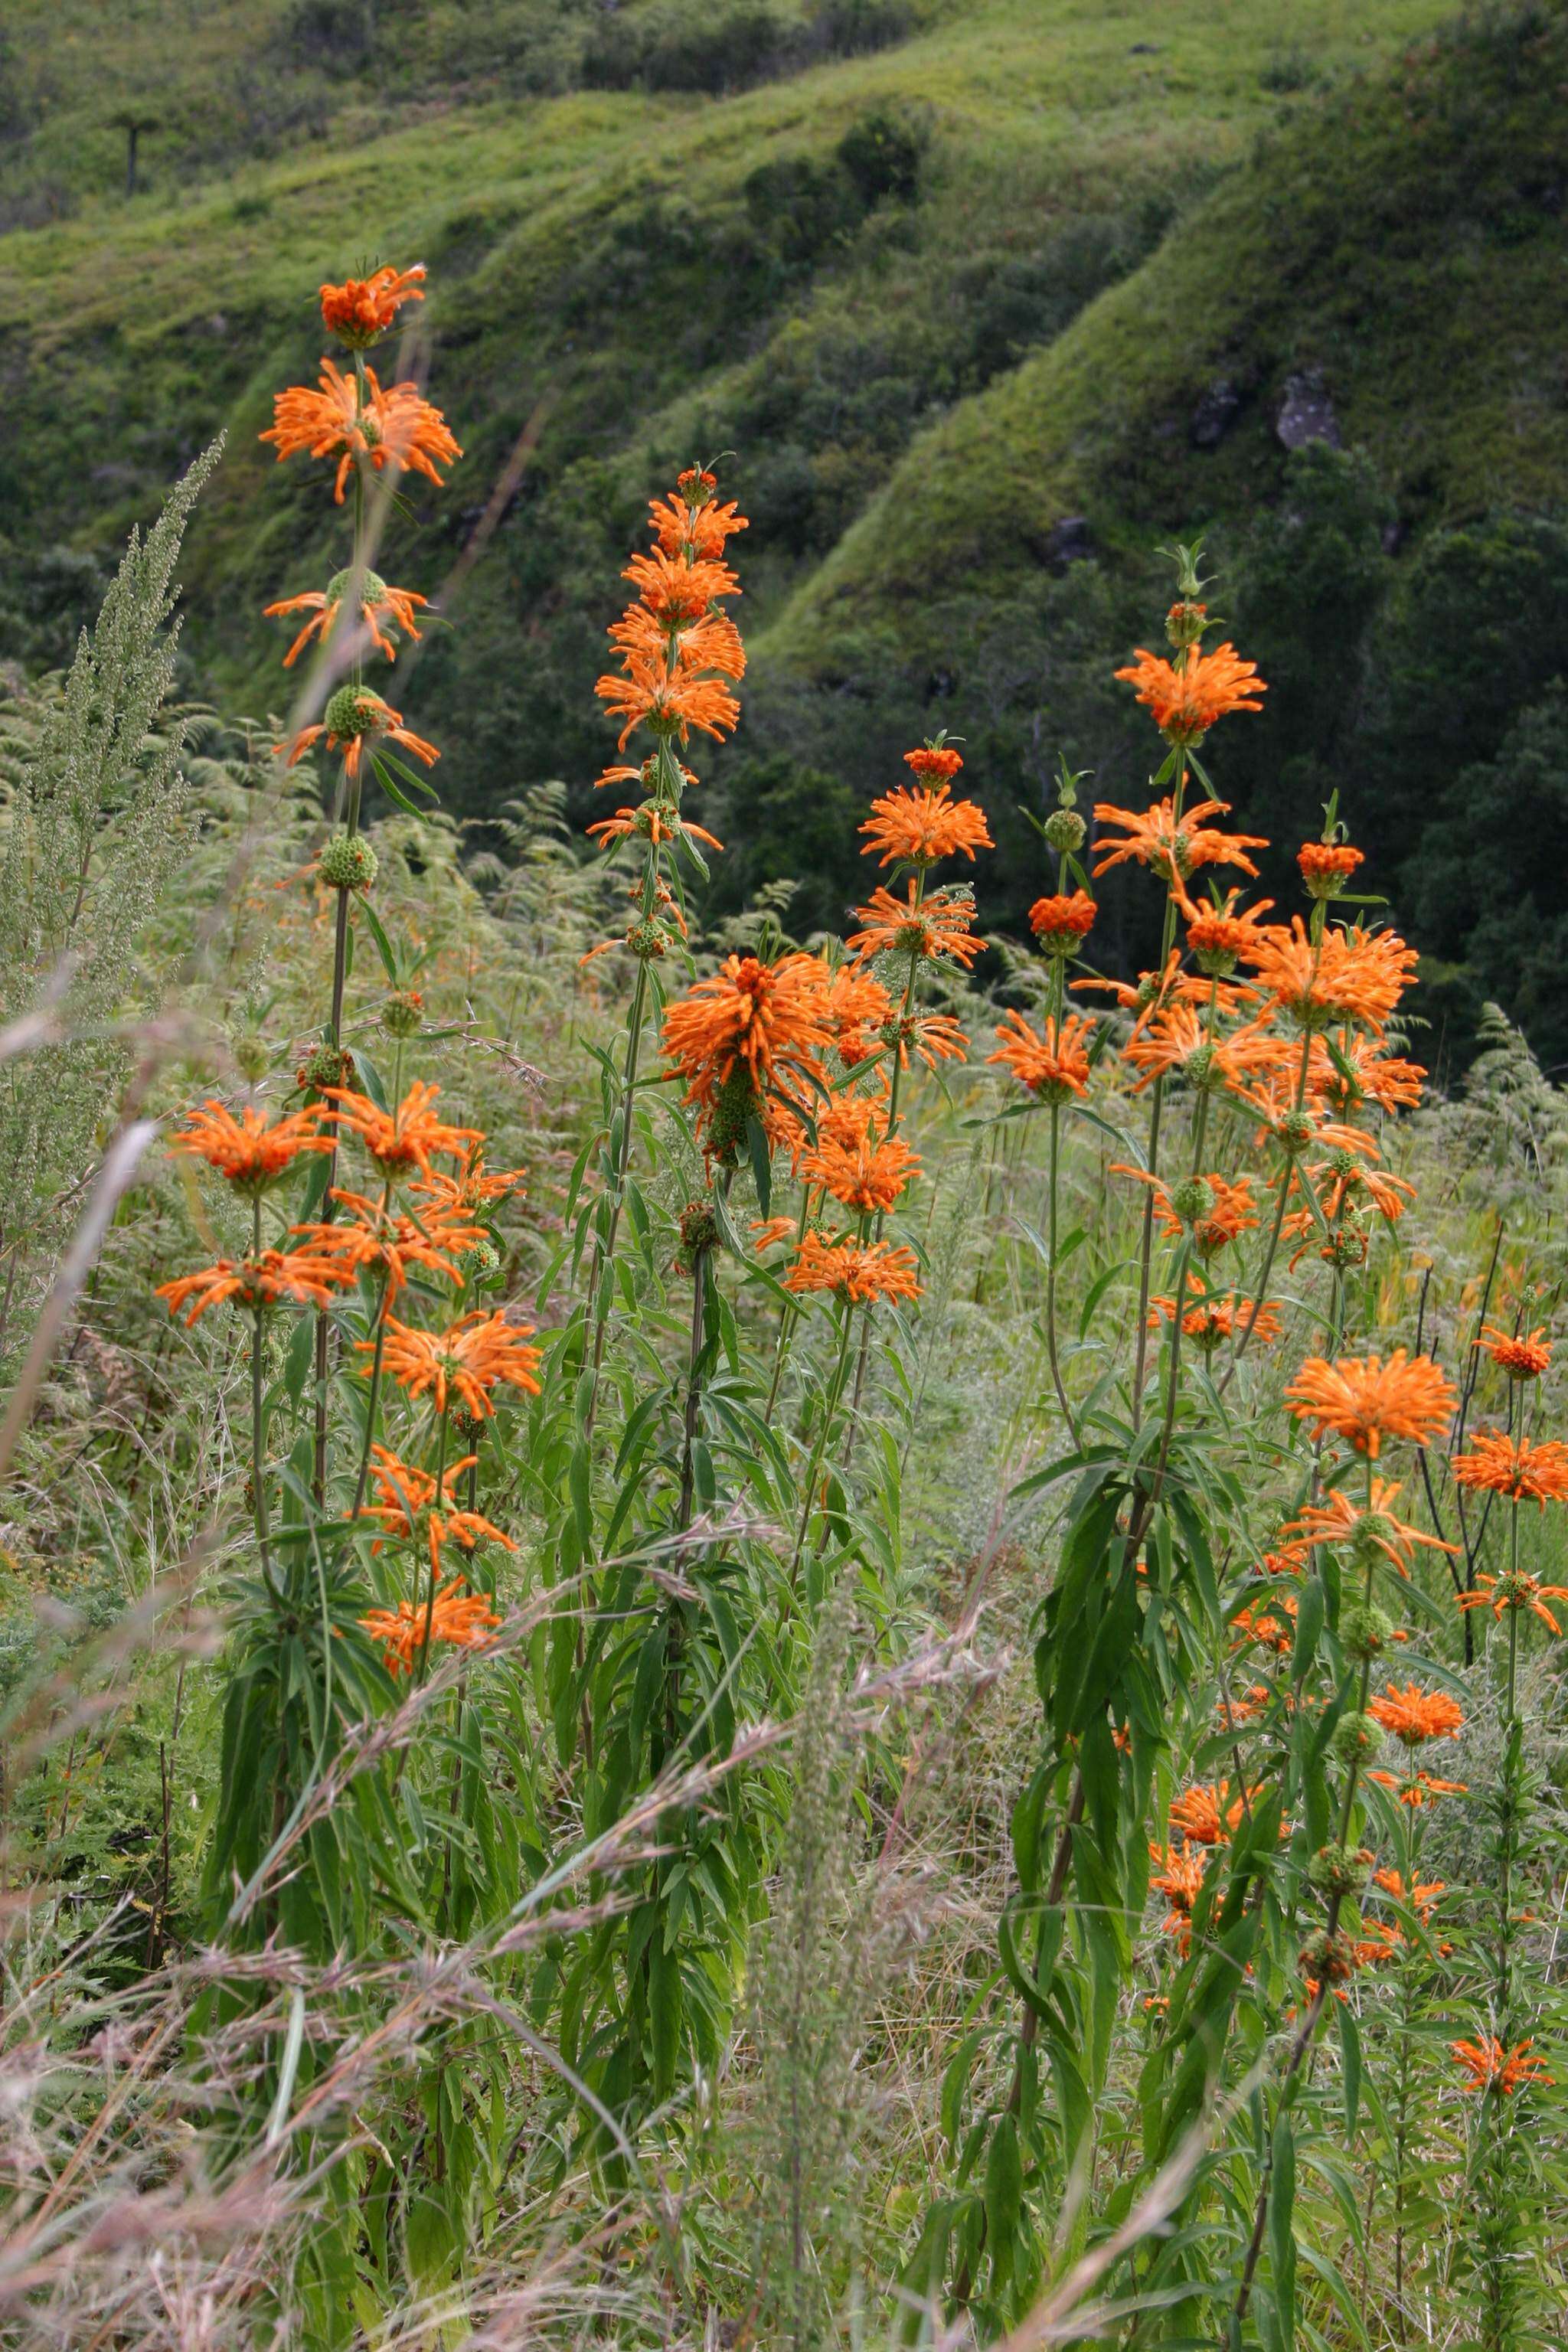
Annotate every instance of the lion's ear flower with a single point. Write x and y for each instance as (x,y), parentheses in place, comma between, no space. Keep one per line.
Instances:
(361,310)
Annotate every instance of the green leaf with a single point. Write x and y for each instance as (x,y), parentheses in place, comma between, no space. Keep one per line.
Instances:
(1281,2231)
(762,1162)
(1004,2196)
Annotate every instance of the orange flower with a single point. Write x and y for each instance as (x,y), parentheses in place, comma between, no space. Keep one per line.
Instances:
(352,716)
(368,1236)
(1051,1063)
(1394,1084)
(1174,850)
(1415,1715)
(937,927)
(679,648)
(855,1272)
(1512,1591)
(1514,1468)
(768,1019)
(407,1492)
(651,822)
(669,702)
(1180,1879)
(462,1620)
(1355,976)
(1272,1624)
(466,1361)
(1423,1898)
(263,1280)
(1345,1173)
(679,587)
(1376,1943)
(405,1139)
(378,605)
(695,529)
(1337,1521)
(1207,1813)
(397,427)
(1364,1398)
(251,1152)
(1178,1038)
(671,640)
(768,1231)
(1217,935)
(1326,864)
(473,1187)
(1228,1215)
(856,1005)
(865,1170)
(1488,2065)
(1523,1356)
(934,762)
(1419,1789)
(932,1036)
(1216,1319)
(362,308)
(1060,922)
(917,827)
(1186,702)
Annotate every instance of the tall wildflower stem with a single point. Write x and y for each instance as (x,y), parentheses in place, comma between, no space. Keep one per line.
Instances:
(1261,1288)
(350,792)
(904,1011)
(791,1315)
(1053,1187)
(259,1425)
(1156,1104)
(372,1393)
(605,1248)
(1307,2032)
(430,1589)
(829,1416)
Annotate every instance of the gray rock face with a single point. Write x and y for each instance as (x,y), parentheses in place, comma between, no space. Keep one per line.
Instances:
(1069,542)
(1306,413)
(1214,414)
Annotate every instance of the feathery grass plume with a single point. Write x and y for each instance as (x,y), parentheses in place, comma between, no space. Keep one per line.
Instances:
(92,835)
(811,1978)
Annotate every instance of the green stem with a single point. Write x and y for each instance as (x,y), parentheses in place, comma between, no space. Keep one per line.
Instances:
(430,1595)
(830,1414)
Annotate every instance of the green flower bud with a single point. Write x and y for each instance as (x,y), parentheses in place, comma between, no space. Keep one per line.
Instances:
(1339,1869)
(1356,1737)
(402,1016)
(698,1232)
(323,1067)
(1326,1959)
(1364,1634)
(1066,830)
(353,711)
(372,588)
(734,1105)
(347,862)
(482,1259)
(1192,1200)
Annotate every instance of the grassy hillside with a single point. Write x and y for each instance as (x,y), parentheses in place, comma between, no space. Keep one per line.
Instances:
(943,277)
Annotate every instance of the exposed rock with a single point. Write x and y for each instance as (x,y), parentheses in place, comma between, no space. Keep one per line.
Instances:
(1069,542)
(1214,414)
(1306,413)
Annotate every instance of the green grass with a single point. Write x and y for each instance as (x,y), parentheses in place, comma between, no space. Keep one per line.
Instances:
(1409,243)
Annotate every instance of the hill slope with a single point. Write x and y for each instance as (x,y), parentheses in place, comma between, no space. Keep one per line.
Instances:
(1032,262)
